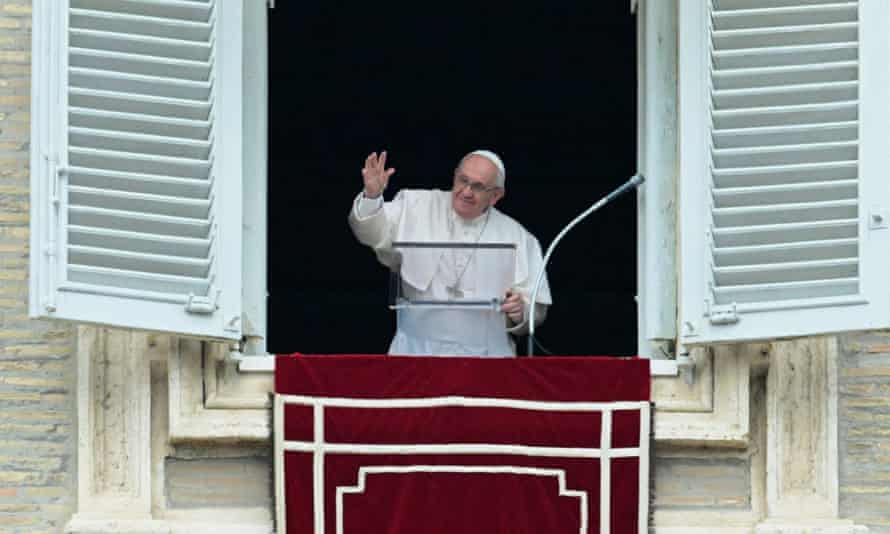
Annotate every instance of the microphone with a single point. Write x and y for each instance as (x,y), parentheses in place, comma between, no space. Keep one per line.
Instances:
(632,183)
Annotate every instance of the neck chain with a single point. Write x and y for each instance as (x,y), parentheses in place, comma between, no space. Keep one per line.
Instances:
(453,289)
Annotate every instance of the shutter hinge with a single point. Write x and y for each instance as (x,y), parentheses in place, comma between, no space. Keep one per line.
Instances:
(49,300)
(56,195)
(271,4)
(724,314)
(202,305)
(50,249)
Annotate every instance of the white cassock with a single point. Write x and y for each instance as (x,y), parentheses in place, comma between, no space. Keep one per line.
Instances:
(427,216)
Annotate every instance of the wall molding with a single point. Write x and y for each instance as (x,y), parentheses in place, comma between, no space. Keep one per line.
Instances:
(236,409)
(802,457)
(715,409)
(113,405)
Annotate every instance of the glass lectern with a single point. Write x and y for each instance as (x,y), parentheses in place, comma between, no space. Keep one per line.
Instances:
(448,296)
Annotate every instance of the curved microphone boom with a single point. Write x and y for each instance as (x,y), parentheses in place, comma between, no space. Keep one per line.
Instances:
(634,181)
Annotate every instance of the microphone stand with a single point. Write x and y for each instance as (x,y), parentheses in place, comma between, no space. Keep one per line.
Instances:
(634,181)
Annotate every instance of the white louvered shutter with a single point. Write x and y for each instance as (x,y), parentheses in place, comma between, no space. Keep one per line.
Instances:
(136,164)
(785,158)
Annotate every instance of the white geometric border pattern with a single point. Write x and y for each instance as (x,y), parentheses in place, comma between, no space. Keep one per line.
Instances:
(319,447)
(560,475)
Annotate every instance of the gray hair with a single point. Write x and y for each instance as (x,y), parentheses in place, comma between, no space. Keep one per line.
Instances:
(494,159)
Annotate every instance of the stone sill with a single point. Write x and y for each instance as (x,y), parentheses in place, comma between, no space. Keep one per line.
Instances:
(154,526)
(266,364)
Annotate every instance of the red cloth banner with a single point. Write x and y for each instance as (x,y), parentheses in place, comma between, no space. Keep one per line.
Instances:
(386,445)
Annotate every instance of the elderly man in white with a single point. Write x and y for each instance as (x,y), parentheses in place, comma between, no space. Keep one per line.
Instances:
(464,214)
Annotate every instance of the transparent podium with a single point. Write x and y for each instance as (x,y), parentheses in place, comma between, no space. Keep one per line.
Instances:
(447,298)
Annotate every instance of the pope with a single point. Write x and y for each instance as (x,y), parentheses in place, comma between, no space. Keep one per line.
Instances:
(465,214)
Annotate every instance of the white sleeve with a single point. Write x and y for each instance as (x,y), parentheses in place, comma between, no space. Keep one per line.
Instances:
(378,228)
(365,207)
(532,256)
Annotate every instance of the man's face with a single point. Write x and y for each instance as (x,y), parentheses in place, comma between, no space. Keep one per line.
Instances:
(475,187)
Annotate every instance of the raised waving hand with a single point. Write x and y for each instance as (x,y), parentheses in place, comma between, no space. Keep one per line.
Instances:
(375,174)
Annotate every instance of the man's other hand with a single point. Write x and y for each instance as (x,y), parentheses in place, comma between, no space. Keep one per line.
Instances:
(375,174)
(513,306)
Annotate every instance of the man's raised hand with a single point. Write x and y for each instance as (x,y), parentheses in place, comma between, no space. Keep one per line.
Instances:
(375,174)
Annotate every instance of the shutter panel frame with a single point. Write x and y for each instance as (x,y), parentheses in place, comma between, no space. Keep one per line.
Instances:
(738,215)
(141,227)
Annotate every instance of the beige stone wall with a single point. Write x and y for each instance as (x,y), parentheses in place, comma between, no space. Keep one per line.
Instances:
(37,367)
(864,430)
(38,371)
(239,479)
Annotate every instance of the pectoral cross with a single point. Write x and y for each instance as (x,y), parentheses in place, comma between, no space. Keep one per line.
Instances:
(454,292)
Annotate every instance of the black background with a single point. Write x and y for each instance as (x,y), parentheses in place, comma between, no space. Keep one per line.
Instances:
(549,86)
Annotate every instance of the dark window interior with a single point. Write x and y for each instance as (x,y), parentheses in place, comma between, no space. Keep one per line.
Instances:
(550,86)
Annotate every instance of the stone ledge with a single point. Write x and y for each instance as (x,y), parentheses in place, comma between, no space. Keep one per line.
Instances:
(836,526)
(154,526)
(116,526)
(700,530)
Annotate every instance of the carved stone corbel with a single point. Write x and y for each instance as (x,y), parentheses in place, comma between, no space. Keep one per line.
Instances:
(802,453)
(114,409)
(211,401)
(714,409)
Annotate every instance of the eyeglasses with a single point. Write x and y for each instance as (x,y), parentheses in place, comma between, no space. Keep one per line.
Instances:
(460,182)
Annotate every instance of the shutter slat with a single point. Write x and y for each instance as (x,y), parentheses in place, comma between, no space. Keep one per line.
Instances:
(794,134)
(728,5)
(789,95)
(785,213)
(760,156)
(139,202)
(781,115)
(764,170)
(732,236)
(138,261)
(806,291)
(167,9)
(774,56)
(792,174)
(155,66)
(138,163)
(174,147)
(786,193)
(140,44)
(770,17)
(773,273)
(148,105)
(844,32)
(98,119)
(838,71)
(140,183)
(121,82)
(157,283)
(139,242)
(786,252)
(140,25)
(138,222)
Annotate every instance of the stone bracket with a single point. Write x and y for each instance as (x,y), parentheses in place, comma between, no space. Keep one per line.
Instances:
(802,449)
(210,400)
(712,410)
